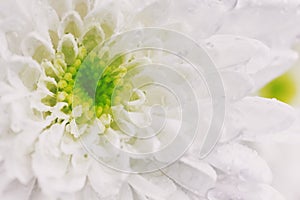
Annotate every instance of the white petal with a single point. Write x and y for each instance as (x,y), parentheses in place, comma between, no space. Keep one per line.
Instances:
(4,52)
(26,69)
(272,22)
(240,161)
(68,46)
(232,125)
(61,7)
(193,175)
(281,60)
(263,116)
(71,182)
(82,7)
(104,181)
(37,194)
(156,187)
(56,171)
(18,160)
(244,191)
(236,84)
(16,191)
(93,36)
(98,127)
(152,13)
(71,23)
(238,53)
(48,160)
(178,195)
(87,193)
(69,146)
(37,47)
(199,19)
(110,15)
(125,192)
(287,136)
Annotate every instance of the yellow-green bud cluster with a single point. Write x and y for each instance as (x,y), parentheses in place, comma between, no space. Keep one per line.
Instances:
(95,70)
(85,69)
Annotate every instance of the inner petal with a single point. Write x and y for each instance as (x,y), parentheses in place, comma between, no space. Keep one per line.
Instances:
(92,38)
(68,47)
(71,23)
(36,47)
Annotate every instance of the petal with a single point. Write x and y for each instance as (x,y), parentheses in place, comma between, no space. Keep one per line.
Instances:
(38,48)
(71,182)
(48,160)
(93,36)
(16,191)
(82,7)
(68,46)
(4,51)
(156,187)
(238,160)
(287,136)
(237,53)
(69,146)
(236,84)
(231,126)
(152,13)
(178,195)
(87,193)
(199,19)
(193,175)
(27,70)
(110,15)
(12,189)
(255,116)
(125,192)
(18,161)
(71,23)
(263,116)
(104,181)
(38,194)
(61,7)
(244,191)
(281,60)
(270,21)
(56,171)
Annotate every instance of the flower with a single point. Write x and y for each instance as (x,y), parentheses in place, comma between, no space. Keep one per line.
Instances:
(47,53)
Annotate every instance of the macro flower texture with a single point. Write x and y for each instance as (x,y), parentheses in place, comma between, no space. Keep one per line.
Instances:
(58,117)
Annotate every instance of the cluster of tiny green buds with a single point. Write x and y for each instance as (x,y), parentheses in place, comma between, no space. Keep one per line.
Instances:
(108,78)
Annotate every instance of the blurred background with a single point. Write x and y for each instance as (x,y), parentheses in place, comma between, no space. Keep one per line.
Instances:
(284,157)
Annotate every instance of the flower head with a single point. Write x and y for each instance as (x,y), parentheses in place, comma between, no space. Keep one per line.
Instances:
(71,101)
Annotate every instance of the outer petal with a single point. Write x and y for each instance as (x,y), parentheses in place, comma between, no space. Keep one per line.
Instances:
(236,84)
(104,181)
(280,62)
(240,161)
(243,191)
(263,116)
(193,175)
(153,186)
(238,53)
(270,21)
(12,189)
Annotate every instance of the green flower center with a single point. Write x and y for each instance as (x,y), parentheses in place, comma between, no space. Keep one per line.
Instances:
(86,68)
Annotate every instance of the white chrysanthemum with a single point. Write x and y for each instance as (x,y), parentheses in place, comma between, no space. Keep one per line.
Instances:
(43,44)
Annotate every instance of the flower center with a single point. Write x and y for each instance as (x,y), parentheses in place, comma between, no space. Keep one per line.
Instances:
(86,68)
